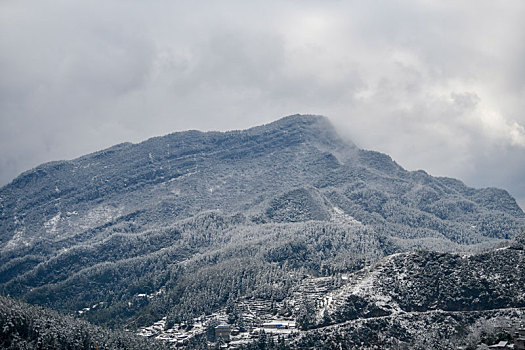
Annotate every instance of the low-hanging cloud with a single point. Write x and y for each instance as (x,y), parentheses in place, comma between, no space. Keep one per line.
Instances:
(437,85)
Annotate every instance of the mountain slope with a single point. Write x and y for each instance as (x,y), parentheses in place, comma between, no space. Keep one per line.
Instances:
(182,174)
(419,299)
(195,219)
(23,326)
(426,281)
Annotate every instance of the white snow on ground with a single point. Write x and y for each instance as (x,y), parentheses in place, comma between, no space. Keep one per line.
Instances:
(213,188)
(152,295)
(325,304)
(17,240)
(183,176)
(86,309)
(339,216)
(99,215)
(363,286)
(19,237)
(51,224)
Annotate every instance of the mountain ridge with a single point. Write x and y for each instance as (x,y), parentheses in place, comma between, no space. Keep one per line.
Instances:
(245,214)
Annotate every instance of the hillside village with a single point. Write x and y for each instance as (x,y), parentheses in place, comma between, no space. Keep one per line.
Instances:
(316,305)
(255,317)
(283,330)
(321,306)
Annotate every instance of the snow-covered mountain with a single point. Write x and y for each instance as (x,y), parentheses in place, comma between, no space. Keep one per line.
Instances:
(185,224)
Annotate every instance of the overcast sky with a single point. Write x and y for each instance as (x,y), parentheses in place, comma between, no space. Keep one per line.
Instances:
(438,85)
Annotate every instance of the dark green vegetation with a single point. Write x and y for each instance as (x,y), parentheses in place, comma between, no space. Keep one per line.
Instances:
(441,330)
(185,224)
(425,281)
(23,326)
(421,300)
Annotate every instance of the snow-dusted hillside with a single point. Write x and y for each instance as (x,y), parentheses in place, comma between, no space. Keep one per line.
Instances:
(218,219)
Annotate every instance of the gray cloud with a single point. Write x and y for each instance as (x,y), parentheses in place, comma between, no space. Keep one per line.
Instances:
(437,85)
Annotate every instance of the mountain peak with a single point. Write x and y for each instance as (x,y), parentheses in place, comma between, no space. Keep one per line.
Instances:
(301,119)
(313,128)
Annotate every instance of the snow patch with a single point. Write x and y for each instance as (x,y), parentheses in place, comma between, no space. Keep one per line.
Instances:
(339,216)
(51,224)
(99,215)
(17,239)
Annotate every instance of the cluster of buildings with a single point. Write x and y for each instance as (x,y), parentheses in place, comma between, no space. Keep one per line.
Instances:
(233,338)
(225,331)
(519,342)
(175,336)
(230,336)
(519,339)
